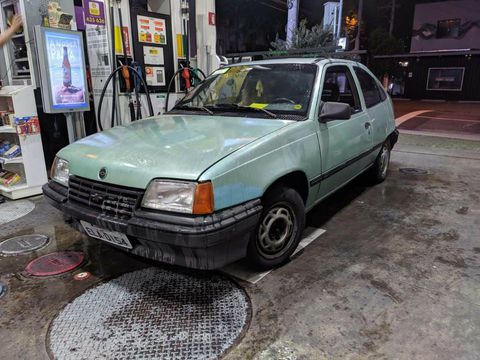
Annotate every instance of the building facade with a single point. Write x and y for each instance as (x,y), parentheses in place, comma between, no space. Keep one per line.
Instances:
(444,58)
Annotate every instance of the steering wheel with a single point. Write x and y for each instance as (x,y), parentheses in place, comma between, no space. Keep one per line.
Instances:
(283,100)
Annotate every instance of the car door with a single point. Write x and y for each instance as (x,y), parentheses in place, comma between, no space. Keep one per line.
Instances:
(343,143)
(374,102)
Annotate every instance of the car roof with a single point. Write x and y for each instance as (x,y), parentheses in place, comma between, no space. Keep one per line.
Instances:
(293,60)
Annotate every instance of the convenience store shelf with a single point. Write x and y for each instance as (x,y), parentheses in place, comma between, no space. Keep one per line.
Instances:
(7,129)
(15,160)
(31,164)
(19,191)
(15,187)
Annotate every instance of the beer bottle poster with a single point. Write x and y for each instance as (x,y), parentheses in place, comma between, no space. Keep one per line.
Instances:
(66,71)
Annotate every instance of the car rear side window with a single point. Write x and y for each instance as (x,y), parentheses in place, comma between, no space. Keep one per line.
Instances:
(372,92)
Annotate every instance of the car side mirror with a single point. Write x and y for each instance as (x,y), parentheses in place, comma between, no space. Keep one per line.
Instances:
(335,111)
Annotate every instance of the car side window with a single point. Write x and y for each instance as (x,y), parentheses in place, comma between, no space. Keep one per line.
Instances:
(372,92)
(383,93)
(338,86)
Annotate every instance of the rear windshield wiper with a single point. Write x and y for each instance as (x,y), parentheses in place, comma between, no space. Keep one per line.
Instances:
(193,108)
(241,108)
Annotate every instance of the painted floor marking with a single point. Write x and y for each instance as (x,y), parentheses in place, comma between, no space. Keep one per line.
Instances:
(13,210)
(409,116)
(241,270)
(448,119)
(446,134)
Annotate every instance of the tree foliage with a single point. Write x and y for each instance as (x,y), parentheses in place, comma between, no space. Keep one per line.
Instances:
(303,37)
(380,42)
(351,25)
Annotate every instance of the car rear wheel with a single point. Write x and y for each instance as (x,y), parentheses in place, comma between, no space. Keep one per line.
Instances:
(279,230)
(379,169)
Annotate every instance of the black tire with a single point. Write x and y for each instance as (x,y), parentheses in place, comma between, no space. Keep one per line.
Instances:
(379,170)
(283,216)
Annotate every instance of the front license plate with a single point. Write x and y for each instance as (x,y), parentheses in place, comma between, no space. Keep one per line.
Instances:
(112,237)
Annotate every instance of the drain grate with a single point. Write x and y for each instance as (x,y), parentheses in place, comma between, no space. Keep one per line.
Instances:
(152,314)
(413,171)
(13,210)
(55,263)
(23,244)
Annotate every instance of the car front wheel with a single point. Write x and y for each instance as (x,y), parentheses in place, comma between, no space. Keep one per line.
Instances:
(279,230)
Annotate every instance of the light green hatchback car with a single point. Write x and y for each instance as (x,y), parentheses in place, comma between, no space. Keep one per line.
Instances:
(232,169)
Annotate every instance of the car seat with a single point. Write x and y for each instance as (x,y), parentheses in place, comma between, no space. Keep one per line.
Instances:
(331,92)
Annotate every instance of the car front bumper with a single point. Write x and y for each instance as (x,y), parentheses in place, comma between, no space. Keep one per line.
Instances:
(200,242)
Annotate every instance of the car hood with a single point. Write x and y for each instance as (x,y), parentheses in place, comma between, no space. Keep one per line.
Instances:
(169,146)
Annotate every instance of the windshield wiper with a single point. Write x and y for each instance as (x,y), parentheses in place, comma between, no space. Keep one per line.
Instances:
(194,108)
(241,108)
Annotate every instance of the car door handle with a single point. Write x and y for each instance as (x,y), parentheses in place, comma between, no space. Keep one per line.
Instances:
(367,125)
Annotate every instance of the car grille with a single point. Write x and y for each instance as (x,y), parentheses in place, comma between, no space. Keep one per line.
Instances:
(110,200)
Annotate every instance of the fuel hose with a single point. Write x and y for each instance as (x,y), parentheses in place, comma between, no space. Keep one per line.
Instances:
(112,76)
(193,71)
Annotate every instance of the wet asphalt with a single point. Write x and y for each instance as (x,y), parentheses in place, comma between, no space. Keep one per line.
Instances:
(396,275)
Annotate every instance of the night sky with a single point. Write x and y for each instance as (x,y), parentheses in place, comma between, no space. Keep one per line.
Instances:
(250,25)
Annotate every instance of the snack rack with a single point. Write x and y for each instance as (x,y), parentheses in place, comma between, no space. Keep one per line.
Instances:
(19,101)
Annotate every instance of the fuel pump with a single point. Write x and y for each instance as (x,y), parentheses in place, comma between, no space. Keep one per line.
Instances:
(188,73)
(125,70)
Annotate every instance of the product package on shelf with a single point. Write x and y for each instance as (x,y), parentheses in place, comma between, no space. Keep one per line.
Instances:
(6,118)
(4,146)
(13,152)
(9,178)
(8,150)
(57,18)
(27,125)
(53,13)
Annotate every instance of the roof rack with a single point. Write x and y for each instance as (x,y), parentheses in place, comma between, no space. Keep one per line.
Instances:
(317,54)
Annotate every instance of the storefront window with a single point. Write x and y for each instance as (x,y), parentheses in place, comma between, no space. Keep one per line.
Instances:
(447,79)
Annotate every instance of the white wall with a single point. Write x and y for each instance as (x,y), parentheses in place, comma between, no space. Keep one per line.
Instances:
(206,37)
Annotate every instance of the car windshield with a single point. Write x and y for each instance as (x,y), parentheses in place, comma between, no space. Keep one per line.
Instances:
(271,90)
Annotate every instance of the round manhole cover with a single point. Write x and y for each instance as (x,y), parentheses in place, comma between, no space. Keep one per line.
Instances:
(3,289)
(13,210)
(55,263)
(23,244)
(413,171)
(152,314)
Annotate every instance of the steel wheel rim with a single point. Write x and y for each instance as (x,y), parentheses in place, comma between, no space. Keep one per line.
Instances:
(384,160)
(276,231)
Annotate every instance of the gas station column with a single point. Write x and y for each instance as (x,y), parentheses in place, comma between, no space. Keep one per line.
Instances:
(206,35)
(292,21)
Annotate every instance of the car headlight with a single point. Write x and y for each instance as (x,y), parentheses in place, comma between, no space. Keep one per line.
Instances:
(60,171)
(179,196)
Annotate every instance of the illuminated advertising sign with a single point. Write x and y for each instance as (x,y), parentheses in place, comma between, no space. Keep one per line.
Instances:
(65,69)
(62,63)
